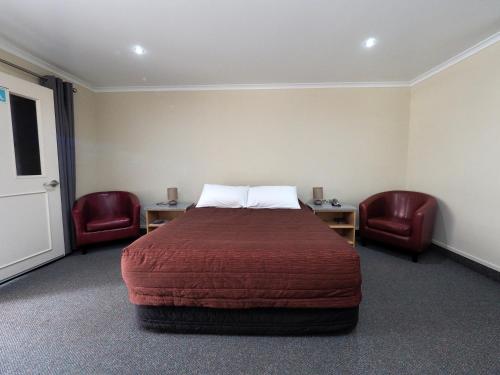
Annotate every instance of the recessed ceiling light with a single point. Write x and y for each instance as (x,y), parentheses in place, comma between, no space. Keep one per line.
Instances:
(370,42)
(139,50)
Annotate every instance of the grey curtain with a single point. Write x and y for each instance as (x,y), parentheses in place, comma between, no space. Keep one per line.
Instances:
(65,129)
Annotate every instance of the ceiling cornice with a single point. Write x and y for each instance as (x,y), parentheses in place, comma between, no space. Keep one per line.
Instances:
(25,55)
(457,58)
(257,86)
(7,46)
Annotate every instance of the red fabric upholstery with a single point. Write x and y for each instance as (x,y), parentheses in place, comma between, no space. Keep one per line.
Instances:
(236,258)
(106,216)
(400,218)
(108,223)
(391,224)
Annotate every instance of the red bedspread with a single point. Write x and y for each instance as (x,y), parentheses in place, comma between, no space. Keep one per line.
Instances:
(243,258)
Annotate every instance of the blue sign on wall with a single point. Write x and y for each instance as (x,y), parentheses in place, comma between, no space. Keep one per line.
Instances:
(3,95)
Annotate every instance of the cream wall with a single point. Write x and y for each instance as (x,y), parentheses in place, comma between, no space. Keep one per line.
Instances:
(454,153)
(351,141)
(85,124)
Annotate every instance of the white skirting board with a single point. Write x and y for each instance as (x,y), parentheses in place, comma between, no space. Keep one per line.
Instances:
(466,255)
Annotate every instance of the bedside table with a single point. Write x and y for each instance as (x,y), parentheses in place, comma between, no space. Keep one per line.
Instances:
(156,212)
(341,219)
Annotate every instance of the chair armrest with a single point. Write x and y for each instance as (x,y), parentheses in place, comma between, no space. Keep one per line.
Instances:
(79,214)
(373,206)
(423,223)
(135,209)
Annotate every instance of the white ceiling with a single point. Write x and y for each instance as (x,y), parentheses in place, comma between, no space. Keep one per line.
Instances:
(224,42)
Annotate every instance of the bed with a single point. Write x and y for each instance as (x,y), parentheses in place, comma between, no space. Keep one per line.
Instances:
(244,271)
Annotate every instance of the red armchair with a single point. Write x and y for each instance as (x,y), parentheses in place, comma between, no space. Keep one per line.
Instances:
(404,219)
(105,216)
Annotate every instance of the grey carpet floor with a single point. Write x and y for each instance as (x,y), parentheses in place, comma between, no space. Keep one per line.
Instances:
(73,317)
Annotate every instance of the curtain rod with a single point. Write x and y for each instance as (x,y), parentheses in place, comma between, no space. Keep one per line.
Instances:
(27,71)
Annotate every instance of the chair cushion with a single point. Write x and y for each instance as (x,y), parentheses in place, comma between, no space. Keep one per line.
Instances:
(394,225)
(108,223)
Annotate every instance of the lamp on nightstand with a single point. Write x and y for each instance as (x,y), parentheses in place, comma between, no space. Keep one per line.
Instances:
(172,196)
(318,195)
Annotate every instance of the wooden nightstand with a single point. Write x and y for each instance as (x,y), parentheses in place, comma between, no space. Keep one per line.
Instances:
(340,219)
(156,212)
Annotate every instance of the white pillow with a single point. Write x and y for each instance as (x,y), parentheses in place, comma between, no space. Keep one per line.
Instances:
(273,197)
(223,196)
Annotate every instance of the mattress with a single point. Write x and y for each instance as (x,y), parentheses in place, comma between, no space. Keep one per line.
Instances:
(225,258)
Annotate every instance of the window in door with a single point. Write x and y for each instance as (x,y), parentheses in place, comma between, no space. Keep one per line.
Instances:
(25,130)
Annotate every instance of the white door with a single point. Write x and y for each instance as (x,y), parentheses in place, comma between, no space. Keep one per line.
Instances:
(31,231)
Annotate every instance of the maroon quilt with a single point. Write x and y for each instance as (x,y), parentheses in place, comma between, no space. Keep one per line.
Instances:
(243,258)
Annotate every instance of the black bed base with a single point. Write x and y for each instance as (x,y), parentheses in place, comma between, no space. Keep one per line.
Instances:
(263,321)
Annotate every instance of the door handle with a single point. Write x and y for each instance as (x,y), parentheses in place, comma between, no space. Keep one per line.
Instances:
(51,184)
